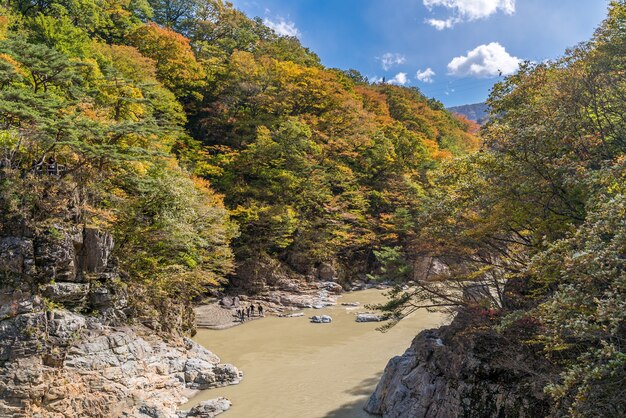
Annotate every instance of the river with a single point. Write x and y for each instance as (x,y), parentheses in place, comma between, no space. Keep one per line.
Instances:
(297,369)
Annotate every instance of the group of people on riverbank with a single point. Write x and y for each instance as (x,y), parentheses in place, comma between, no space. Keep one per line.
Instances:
(249,312)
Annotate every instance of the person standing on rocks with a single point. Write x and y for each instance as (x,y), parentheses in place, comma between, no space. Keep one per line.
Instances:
(252,310)
(260,309)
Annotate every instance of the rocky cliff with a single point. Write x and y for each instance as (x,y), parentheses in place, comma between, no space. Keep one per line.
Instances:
(68,347)
(466,369)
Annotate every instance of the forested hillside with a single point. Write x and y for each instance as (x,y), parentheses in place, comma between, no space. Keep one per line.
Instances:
(215,153)
(532,232)
(207,144)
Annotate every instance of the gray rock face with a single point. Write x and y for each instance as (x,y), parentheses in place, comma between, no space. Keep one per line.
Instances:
(449,373)
(230,302)
(93,255)
(67,293)
(86,368)
(69,254)
(15,302)
(16,255)
(55,254)
(59,363)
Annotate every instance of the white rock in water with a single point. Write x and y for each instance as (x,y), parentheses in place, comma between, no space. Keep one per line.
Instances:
(368,317)
(323,319)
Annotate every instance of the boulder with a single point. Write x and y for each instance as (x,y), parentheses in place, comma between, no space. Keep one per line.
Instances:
(426,267)
(321,319)
(207,409)
(368,317)
(332,287)
(201,374)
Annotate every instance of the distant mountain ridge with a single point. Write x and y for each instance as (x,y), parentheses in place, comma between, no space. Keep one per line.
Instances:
(478,112)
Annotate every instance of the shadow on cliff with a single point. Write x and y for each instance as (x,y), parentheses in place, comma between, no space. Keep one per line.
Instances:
(355,409)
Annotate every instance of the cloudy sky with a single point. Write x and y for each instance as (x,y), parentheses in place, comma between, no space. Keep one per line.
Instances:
(453,50)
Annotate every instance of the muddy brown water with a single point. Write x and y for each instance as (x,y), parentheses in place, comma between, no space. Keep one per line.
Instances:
(297,369)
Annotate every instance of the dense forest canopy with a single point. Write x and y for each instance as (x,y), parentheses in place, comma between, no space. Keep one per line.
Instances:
(202,139)
(536,221)
(211,147)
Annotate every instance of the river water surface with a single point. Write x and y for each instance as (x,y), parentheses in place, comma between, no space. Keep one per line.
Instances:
(297,369)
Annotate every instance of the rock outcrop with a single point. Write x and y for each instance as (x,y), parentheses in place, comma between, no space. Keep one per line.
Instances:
(63,364)
(463,370)
(68,347)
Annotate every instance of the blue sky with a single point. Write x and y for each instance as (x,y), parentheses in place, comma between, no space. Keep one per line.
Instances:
(459,47)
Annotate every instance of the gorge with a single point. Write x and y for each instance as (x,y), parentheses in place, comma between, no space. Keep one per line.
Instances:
(159,156)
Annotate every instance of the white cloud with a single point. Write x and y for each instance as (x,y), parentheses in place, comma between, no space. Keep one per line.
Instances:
(484,61)
(467,10)
(442,24)
(425,76)
(390,60)
(282,27)
(400,79)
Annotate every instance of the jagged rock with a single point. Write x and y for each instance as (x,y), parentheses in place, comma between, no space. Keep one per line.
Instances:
(351,304)
(62,363)
(55,254)
(93,255)
(16,255)
(207,409)
(108,297)
(321,319)
(86,368)
(66,293)
(201,374)
(303,301)
(459,371)
(368,317)
(16,302)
